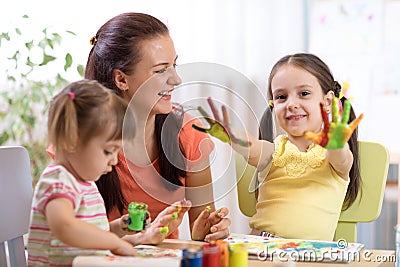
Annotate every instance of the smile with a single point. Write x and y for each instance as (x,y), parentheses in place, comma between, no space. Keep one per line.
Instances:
(295,117)
(166,92)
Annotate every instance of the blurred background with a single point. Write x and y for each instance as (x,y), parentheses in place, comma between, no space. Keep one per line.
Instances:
(356,38)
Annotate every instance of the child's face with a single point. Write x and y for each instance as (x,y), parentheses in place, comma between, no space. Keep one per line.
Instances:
(95,158)
(296,97)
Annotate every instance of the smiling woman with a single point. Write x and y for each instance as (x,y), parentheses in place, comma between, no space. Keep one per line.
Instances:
(167,160)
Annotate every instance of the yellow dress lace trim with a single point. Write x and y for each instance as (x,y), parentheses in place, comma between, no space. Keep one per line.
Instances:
(295,162)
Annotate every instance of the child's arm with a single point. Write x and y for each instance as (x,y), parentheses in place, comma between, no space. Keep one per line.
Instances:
(80,234)
(341,160)
(256,152)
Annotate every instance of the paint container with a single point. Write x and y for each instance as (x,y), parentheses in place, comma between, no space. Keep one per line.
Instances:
(192,257)
(224,253)
(137,215)
(238,255)
(211,255)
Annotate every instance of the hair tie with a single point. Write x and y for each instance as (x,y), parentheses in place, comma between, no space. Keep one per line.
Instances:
(93,40)
(71,96)
(337,88)
(270,103)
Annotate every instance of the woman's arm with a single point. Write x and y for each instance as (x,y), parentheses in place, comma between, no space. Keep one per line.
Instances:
(205,222)
(77,233)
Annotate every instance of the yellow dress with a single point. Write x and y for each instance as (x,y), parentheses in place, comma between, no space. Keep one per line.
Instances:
(301,195)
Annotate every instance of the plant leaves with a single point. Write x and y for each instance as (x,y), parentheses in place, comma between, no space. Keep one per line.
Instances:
(4,137)
(46,59)
(80,68)
(68,61)
(29,45)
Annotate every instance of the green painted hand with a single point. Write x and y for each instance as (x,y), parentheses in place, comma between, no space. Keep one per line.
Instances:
(335,134)
(219,129)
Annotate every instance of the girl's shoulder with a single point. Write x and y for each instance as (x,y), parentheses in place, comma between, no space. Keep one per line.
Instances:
(58,174)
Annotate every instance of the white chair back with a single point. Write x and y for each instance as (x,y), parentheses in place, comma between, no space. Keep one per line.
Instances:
(15,204)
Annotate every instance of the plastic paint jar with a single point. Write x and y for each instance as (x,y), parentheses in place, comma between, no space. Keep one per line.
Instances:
(238,255)
(224,253)
(192,257)
(211,255)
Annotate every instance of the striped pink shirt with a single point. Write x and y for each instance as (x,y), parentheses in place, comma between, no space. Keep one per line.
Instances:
(43,248)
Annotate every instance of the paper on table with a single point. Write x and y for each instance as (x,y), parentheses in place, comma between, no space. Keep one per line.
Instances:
(147,255)
(264,248)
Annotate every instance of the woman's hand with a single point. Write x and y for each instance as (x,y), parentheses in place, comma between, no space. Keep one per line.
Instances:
(166,222)
(210,226)
(335,134)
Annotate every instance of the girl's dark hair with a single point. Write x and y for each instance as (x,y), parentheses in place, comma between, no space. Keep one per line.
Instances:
(118,45)
(315,66)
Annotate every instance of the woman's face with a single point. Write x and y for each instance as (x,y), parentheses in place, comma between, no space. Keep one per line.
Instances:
(154,77)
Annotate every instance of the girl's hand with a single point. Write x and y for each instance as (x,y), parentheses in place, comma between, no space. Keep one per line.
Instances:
(335,134)
(166,222)
(124,249)
(219,128)
(210,226)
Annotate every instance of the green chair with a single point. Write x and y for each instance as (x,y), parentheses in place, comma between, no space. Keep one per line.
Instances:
(374,164)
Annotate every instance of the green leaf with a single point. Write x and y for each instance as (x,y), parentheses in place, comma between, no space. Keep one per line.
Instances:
(29,45)
(18,31)
(50,43)
(4,137)
(80,68)
(3,115)
(46,59)
(29,62)
(4,35)
(11,78)
(68,61)
(25,16)
(70,32)
(57,38)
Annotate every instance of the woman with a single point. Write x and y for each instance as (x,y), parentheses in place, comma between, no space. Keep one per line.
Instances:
(167,160)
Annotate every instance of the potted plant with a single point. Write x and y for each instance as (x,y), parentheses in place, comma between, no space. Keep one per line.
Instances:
(34,72)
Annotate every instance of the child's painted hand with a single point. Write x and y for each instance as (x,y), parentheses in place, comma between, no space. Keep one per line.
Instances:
(211,225)
(219,128)
(166,222)
(335,134)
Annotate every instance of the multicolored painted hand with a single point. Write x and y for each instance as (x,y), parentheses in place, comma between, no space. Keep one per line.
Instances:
(219,128)
(335,134)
